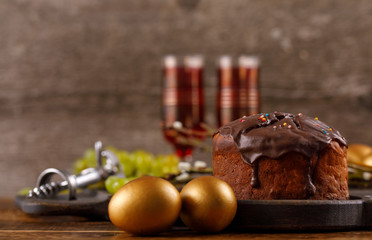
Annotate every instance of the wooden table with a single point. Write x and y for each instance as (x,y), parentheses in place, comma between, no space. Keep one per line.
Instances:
(14,224)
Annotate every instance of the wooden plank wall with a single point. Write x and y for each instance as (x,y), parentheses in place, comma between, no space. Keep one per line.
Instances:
(75,71)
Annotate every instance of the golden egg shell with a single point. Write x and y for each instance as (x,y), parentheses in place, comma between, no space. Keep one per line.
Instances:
(144,206)
(358,154)
(368,161)
(208,204)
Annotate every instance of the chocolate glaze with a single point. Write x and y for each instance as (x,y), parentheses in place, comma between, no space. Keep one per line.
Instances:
(275,134)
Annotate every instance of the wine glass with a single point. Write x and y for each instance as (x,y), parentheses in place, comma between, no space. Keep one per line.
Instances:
(183,103)
(228,91)
(249,98)
(238,91)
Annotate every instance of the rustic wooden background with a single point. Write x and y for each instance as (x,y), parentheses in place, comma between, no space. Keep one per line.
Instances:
(75,71)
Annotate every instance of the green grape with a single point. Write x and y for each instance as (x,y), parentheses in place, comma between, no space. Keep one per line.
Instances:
(143,161)
(171,164)
(174,169)
(24,191)
(167,164)
(79,165)
(114,183)
(127,164)
(97,185)
(82,164)
(135,164)
(113,149)
(118,184)
(87,161)
(157,167)
(127,180)
(90,158)
(110,182)
(90,154)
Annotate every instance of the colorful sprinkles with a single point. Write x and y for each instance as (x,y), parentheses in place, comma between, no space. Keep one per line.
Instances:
(241,119)
(323,130)
(264,117)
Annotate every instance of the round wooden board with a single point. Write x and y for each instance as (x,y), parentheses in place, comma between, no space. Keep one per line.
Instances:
(299,214)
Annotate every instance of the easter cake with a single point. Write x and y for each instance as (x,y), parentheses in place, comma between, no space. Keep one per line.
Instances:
(281,156)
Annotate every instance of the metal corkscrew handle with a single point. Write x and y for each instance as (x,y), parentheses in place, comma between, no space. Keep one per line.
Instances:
(45,189)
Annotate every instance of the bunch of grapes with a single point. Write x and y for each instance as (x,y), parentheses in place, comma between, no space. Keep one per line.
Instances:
(133,165)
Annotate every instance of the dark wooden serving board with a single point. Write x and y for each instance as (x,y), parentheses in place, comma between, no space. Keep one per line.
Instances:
(89,203)
(299,214)
(251,214)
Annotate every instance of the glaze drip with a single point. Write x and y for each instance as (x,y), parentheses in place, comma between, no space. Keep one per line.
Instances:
(275,134)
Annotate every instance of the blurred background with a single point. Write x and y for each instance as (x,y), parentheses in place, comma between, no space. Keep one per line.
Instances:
(76,71)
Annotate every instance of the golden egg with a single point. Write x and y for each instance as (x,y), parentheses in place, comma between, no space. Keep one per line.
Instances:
(357,153)
(208,204)
(146,205)
(368,161)
(360,150)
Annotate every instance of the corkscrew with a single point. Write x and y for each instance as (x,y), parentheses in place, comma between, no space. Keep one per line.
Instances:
(46,189)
